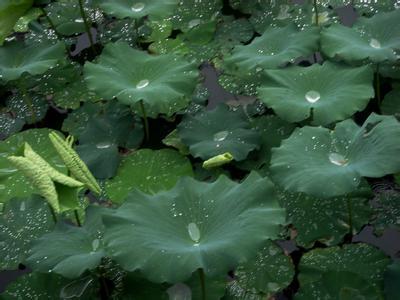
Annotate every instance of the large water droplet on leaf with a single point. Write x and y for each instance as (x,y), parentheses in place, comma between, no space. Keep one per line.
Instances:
(142,84)
(220,136)
(103,145)
(312,96)
(138,7)
(375,44)
(337,159)
(194,232)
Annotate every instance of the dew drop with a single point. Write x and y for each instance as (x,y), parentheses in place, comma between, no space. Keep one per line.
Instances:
(138,7)
(194,232)
(312,96)
(194,23)
(337,159)
(103,145)
(375,44)
(220,136)
(95,244)
(142,84)
(78,20)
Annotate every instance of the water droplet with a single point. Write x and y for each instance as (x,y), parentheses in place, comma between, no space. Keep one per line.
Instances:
(220,136)
(95,244)
(23,206)
(103,145)
(375,44)
(194,232)
(78,20)
(312,96)
(138,7)
(142,84)
(337,159)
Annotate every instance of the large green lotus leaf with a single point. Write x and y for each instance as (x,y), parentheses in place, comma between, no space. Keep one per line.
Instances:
(119,30)
(22,222)
(327,220)
(195,225)
(66,17)
(386,211)
(325,163)
(391,103)
(272,131)
(31,108)
(366,263)
(192,13)
(10,12)
(12,182)
(241,83)
(392,279)
(339,285)
(376,38)
(16,58)
(211,133)
(263,276)
(35,286)
(328,92)
(9,124)
(138,8)
(70,257)
(163,82)
(270,50)
(149,171)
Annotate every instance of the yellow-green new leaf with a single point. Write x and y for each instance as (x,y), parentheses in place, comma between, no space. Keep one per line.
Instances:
(73,162)
(218,161)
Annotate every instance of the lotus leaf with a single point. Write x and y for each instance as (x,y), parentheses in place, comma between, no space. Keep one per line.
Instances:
(327,220)
(12,182)
(83,250)
(148,171)
(22,222)
(27,107)
(387,211)
(216,132)
(161,82)
(376,38)
(326,163)
(356,268)
(270,50)
(10,12)
(326,92)
(391,103)
(171,234)
(138,8)
(255,281)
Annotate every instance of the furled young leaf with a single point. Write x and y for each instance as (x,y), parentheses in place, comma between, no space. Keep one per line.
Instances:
(17,58)
(326,163)
(70,257)
(270,50)
(171,234)
(376,38)
(138,8)
(163,82)
(354,271)
(327,220)
(263,276)
(211,133)
(12,182)
(35,286)
(23,221)
(75,165)
(386,211)
(328,92)
(149,171)
(10,12)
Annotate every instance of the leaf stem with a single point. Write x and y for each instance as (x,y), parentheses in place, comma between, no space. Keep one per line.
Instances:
(53,213)
(78,221)
(202,283)
(316,12)
(378,85)
(145,121)
(350,211)
(87,26)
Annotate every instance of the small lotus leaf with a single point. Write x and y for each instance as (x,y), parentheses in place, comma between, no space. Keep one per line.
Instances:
(81,251)
(171,234)
(216,132)
(329,92)
(149,171)
(376,38)
(357,268)
(22,222)
(163,82)
(138,8)
(386,211)
(326,163)
(17,58)
(270,50)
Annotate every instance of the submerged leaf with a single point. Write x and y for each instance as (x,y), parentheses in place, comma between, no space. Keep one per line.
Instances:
(171,234)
